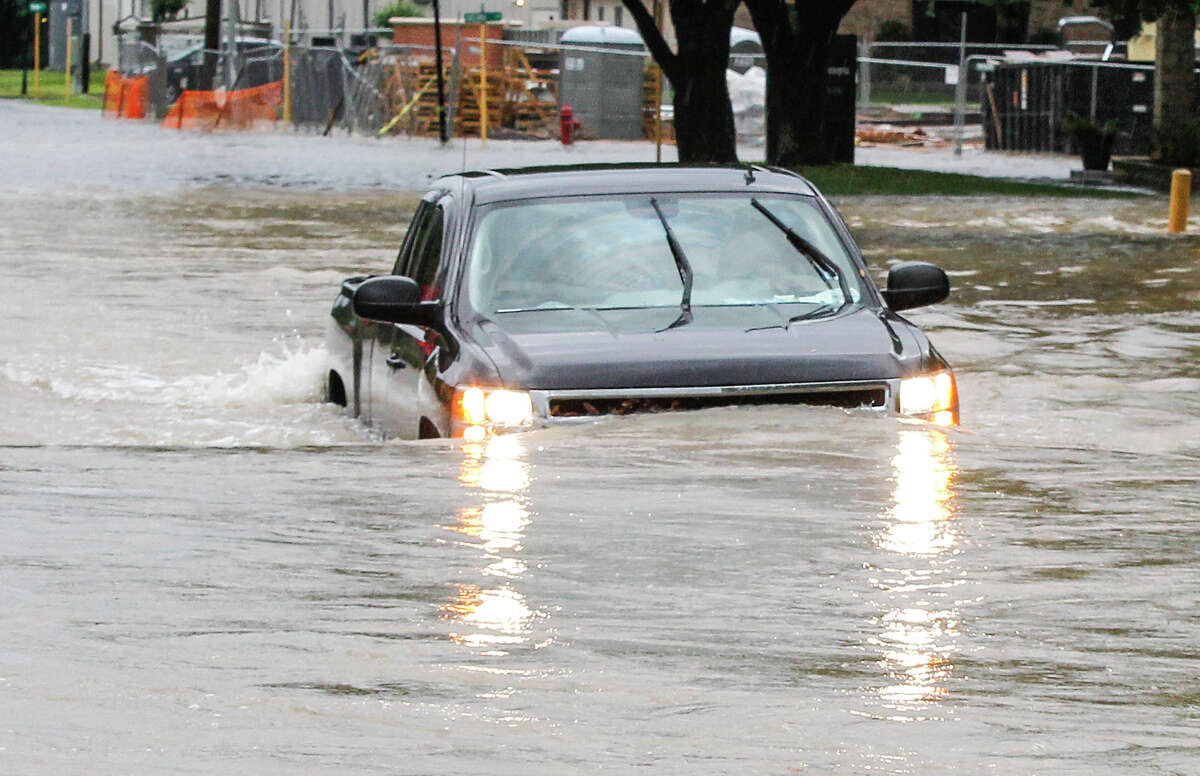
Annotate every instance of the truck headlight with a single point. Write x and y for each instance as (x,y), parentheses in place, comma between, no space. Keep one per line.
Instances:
(494,408)
(509,408)
(931,394)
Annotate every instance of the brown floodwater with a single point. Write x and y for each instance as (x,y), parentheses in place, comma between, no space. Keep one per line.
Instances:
(207,569)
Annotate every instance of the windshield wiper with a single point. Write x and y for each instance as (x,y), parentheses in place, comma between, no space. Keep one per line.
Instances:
(820,311)
(823,264)
(681,264)
(824,311)
(539,309)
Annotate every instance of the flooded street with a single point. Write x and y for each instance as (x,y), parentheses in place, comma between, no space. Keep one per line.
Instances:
(206,569)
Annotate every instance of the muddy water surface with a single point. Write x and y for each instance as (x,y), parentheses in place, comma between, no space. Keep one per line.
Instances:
(206,569)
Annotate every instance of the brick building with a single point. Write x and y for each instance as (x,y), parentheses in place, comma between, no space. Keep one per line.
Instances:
(987,22)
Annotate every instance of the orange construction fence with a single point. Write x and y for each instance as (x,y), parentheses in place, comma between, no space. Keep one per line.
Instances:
(240,109)
(126,97)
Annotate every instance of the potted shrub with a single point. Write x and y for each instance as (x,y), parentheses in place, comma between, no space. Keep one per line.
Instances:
(1094,138)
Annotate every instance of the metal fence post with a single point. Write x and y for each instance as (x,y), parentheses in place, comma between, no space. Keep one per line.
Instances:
(960,88)
(864,73)
(1095,90)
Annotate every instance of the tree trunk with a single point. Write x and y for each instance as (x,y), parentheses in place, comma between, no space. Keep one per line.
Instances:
(796,103)
(704,130)
(1174,98)
(212,41)
(797,51)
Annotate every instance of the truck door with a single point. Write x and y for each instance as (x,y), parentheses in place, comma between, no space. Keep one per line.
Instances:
(412,346)
(377,335)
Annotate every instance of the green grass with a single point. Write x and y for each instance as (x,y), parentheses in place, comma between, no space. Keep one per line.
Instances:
(884,97)
(841,180)
(52,88)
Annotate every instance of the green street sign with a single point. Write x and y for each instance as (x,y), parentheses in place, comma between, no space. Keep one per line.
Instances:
(37,7)
(480,18)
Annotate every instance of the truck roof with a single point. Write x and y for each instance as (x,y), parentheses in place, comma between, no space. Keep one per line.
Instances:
(551,181)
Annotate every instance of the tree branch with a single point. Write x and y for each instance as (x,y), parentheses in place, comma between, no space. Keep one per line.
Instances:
(653,38)
(773,22)
(725,6)
(839,9)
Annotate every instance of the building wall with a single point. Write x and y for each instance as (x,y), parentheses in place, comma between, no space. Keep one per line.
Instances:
(422,34)
(1045,15)
(318,15)
(614,13)
(865,17)
(611,12)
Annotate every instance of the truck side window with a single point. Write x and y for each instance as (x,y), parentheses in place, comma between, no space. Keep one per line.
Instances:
(427,258)
(416,233)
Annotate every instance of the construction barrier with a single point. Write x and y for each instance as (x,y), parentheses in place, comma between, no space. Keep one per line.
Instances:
(382,90)
(126,97)
(252,108)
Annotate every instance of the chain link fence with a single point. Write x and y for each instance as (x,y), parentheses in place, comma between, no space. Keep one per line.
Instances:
(915,73)
(392,89)
(386,89)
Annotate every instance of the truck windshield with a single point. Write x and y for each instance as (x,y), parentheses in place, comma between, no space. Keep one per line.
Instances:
(611,253)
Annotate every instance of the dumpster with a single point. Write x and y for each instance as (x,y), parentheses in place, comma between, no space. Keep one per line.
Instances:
(603,88)
(1025,103)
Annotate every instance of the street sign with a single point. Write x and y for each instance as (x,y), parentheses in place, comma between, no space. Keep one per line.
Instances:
(480,18)
(37,7)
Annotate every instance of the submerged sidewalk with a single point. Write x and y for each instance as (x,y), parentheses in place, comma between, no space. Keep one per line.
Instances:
(42,145)
(974,161)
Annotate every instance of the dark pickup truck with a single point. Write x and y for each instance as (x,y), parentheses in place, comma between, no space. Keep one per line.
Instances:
(538,296)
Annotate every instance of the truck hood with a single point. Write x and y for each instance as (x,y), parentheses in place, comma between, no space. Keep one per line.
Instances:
(569,349)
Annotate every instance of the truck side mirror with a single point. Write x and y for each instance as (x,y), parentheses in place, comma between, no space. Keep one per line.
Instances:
(396,299)
(915,284)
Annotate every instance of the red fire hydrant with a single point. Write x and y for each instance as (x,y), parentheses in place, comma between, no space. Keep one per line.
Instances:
(567,125)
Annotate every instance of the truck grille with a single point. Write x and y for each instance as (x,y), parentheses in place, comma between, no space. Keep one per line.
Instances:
(626,405)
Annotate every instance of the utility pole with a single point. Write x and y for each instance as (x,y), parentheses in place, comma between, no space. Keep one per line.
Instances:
(437,43)
(960,88)
(231,64)
(25,63)
(37,53)
(483,74)
(212,42)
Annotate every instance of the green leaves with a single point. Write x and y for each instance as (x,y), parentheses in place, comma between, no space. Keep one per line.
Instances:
(402,8)
(1085,129)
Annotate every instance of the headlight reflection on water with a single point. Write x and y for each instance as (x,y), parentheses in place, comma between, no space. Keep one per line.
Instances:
(501,617)
(918,646)
(498,526)
(919,631)
(494,618)
(923,503)
(496,464)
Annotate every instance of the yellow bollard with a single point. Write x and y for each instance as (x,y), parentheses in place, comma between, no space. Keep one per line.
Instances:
(1181,192)
(287,75)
